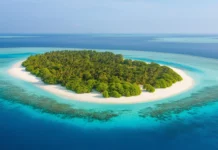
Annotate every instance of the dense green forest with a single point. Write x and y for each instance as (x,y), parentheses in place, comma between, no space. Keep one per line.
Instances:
(112,75)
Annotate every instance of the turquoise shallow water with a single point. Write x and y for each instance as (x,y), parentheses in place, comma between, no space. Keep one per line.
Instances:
(195,39)
(35,119)
(146,115)
(31,118)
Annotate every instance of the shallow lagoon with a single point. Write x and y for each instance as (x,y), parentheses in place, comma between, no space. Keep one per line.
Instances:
(185,121)
(203,70)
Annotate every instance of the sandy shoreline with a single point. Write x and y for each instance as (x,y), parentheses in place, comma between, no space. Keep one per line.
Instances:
(19,72)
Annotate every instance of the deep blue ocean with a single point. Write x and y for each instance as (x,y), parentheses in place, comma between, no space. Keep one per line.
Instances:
(190,124)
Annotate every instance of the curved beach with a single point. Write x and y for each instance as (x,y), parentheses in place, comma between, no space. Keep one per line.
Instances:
(18,71)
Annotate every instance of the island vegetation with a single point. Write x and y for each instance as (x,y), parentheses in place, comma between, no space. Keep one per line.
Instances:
(86,70)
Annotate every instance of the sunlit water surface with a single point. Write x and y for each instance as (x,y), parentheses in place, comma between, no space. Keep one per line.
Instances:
(185,121)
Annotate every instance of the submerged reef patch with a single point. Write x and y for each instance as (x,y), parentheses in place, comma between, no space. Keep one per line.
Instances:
(166,110)
(162,111)
(14,93)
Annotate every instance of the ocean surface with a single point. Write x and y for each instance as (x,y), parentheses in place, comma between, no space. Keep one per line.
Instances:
(33,119)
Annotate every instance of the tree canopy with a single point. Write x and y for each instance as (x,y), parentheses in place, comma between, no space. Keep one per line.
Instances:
(112,75)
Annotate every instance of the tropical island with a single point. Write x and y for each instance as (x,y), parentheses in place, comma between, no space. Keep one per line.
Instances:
(84,71)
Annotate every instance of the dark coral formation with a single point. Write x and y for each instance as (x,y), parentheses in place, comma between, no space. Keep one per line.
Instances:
(16,94)
(166,110)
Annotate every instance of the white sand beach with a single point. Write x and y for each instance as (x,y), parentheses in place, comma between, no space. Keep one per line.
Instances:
(19,72)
